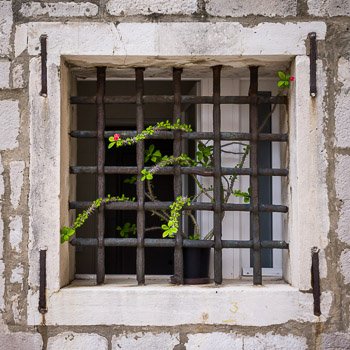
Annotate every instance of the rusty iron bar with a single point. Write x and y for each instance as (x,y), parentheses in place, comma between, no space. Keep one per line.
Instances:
(128,205)
(184,99)
(218,207)
(254,179)
(43,54)
(178,277)
(42,282)
(168,135)
(313,64)
(315,280)
(101,86)
(217,175)
(162,243)
(140,185)
(183,170)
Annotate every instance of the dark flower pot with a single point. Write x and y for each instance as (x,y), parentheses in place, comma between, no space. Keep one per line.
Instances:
(196,265)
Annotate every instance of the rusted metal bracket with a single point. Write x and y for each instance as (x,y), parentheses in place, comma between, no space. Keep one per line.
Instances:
(313,67)
(43,54)
(315,280)
(42,286)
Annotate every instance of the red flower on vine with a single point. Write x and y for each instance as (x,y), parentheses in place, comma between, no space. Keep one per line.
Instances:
(291,78)
(116,137)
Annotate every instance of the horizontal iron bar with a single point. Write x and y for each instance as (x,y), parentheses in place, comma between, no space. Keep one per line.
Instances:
(128,205)
(184,170)
(224,136)
(184,99)
(162,243)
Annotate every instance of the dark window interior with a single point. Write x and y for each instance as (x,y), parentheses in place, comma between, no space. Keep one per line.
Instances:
(122,260)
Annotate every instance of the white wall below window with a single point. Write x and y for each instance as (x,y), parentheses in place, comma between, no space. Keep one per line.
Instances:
(121,301)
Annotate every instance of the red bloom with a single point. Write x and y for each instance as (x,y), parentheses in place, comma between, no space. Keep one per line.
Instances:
(116,137)
(291,78)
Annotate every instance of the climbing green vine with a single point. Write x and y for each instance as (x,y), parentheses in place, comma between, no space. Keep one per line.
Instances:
(68,231)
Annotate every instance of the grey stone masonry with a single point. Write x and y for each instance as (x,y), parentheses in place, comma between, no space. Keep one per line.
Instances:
(147,7)
(36,185)
(5,26)
(59,9)
(74,341)
(239,8)
(329,7)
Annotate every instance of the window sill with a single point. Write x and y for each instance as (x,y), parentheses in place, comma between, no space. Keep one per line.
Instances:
(121,302)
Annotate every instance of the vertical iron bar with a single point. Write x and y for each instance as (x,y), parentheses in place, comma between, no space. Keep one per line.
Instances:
(217,176)
(315,281)
(43,54)
(254,180)
(101,84)
(140,185)
(42,287)
(178,252)
(313,67)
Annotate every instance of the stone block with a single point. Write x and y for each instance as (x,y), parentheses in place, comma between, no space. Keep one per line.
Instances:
(145,341)
(343,229)
(17,275)
(342,179)
(16,181)
(209,341)
(147,7)
(241,8)
(342,105)
(2,190)
(17,77)
(329,7)
(6,20)
(345,265)
(274,341)
(2,185)
(335,341)
(21,341)
(9,124)
(16,227)
(77,341)
(21,38)
(59,9)
(4,74)
(219,340)
(1,238)
(2,290)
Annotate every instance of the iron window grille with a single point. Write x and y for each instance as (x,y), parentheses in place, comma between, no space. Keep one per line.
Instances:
(256,244)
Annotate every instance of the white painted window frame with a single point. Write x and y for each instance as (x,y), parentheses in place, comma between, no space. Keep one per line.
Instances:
(236,262)
(177,43)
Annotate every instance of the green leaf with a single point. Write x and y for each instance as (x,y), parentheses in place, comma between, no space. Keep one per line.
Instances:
(111,145)
(280,83)
(281,75)
(111,139)
(194,237)
(130,180)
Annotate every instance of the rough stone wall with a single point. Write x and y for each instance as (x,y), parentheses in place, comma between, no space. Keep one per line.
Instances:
(14,178)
